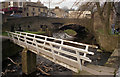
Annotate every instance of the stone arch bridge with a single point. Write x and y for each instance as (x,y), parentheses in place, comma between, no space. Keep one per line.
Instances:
(35,23)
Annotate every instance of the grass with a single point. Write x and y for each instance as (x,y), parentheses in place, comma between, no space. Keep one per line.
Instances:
(100,31)
(70,32)
(4,34)
(39,32)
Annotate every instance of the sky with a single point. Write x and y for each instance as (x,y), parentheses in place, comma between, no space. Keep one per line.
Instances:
(67,3)
(64,3)
(54,3)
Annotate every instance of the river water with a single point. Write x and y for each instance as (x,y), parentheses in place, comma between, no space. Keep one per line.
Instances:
(62,35)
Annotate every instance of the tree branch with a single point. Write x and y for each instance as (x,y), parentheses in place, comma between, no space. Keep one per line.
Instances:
(14,62)
(42,71)
(100,12)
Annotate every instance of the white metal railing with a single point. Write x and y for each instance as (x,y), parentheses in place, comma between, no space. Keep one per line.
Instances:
(60,51)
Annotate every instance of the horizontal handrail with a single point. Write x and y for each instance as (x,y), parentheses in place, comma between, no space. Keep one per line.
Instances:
(65,46)
(93,46)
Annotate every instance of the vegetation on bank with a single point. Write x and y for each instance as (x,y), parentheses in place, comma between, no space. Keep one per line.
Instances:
(4,34)
(38,32)
(70,32)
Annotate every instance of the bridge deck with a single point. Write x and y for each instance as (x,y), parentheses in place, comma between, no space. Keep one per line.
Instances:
(56,50)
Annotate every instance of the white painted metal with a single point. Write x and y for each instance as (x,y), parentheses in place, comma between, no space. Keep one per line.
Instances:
(79,61)
(48,48)
(85,53)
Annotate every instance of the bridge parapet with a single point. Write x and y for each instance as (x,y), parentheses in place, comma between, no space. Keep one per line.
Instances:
(66,53)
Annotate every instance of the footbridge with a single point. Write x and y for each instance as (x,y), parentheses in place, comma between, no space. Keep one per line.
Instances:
(69,54)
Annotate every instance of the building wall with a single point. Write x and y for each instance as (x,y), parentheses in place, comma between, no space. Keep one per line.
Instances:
(26,8)
(29,10)
(5,4)
(39,9)
(59,12)
(79,14)
(9,4)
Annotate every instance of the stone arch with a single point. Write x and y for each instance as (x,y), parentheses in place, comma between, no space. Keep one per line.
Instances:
(83,33)
(74,25)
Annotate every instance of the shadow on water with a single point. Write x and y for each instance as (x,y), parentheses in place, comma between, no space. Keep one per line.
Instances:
(9,48)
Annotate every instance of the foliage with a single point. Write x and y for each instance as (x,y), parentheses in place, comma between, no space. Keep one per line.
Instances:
(70,32)
(4,34)
(101,31)
(39,32)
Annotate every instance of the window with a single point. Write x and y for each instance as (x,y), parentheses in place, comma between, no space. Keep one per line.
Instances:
(28,26)
(27,8)
(33,14)
(39,9)
(43,10)
(41,26)
(27,14)
(9,3)
(33,9)
(20,4)
(4,6)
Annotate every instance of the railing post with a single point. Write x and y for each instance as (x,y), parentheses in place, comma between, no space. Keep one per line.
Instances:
(33,40)
(8,34)
(85,54)
(79,61)
(26,39)
(53,52)
(44,42)
(60,46)
(13,38)
(18,38)
(36,44)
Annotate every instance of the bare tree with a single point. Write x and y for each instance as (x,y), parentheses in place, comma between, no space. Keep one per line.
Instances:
(103,10)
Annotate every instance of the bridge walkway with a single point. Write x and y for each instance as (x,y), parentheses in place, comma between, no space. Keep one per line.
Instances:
(69,54)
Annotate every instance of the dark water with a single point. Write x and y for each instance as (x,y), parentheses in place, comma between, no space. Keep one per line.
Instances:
(9,48)
(14,70)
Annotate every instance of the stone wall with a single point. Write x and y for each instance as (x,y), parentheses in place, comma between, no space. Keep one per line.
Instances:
(36,23)
(106,42)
